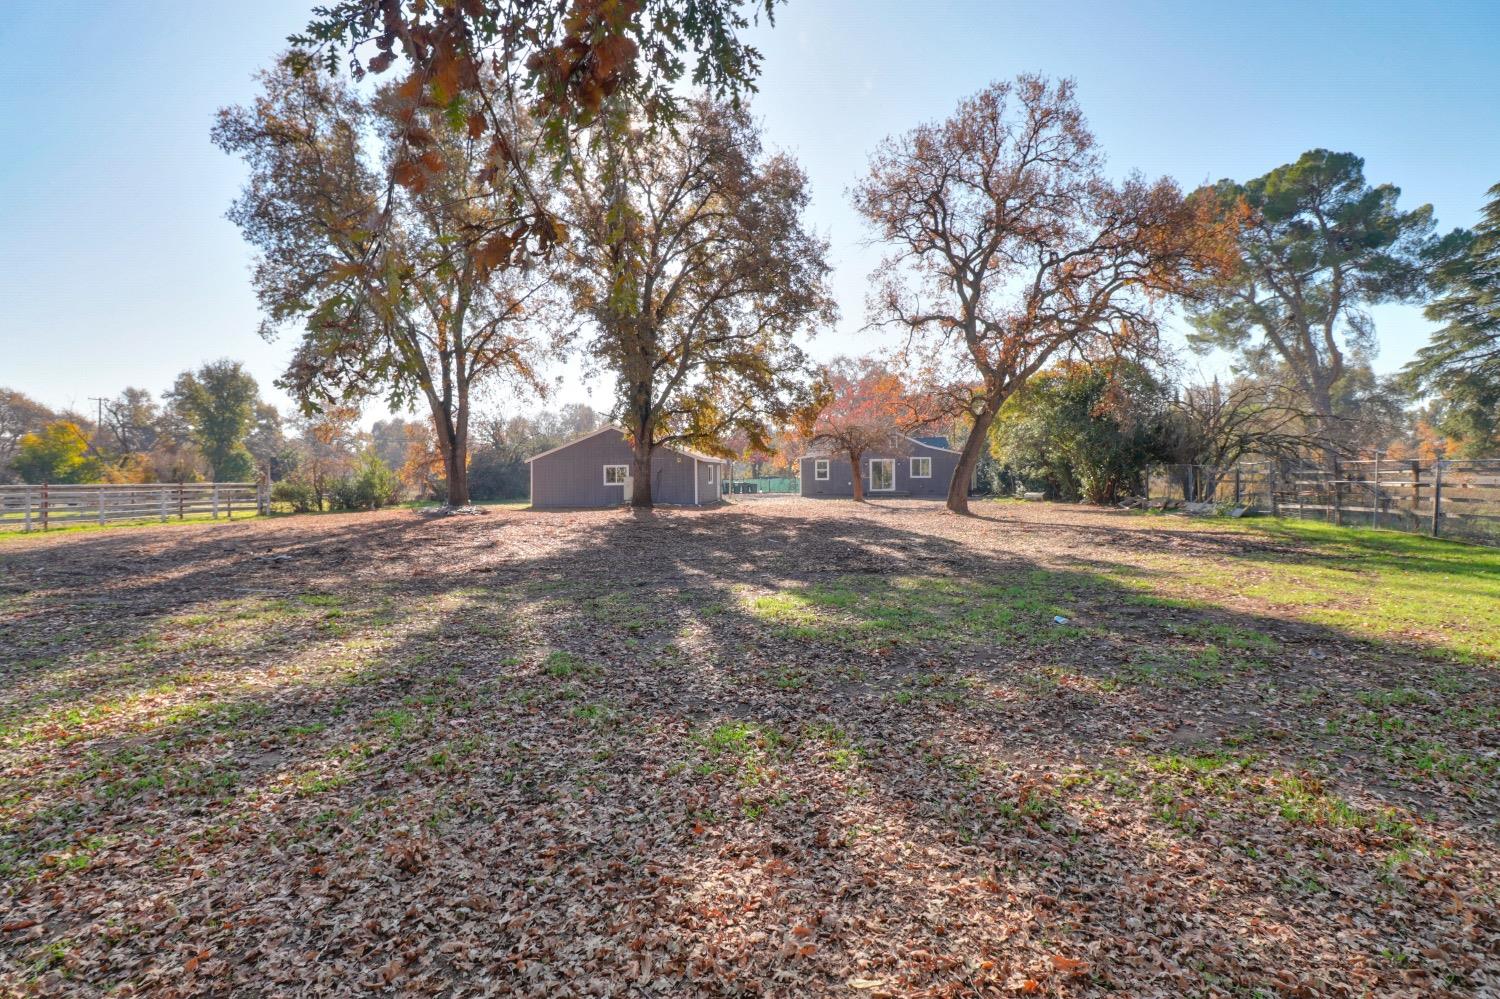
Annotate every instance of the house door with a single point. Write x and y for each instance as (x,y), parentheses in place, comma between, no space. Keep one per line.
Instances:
(882,475)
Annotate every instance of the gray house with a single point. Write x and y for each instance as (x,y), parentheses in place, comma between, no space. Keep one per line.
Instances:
(909,466)
(595,470)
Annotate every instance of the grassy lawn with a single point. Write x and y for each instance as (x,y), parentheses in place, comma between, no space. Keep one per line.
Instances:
(1440,597)
(790,749)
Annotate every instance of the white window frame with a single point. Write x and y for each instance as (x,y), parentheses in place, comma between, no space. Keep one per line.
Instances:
(883,461)
(921,475)
(624,474)
(820,469)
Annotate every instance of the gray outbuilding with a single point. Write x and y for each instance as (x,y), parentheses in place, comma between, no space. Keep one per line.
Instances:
(595,471)
(909,466)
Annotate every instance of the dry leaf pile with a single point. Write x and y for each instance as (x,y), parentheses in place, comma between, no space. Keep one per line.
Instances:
(780,749)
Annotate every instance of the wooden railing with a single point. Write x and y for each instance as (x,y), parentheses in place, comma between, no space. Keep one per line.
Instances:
(36,508)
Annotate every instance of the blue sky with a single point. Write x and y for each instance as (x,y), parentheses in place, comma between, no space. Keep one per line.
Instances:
(118,268)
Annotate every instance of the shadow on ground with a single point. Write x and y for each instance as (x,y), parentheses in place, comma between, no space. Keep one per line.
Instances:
(763,750)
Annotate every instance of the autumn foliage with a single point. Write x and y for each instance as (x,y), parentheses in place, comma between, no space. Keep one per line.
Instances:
(866,403)
(1010,247)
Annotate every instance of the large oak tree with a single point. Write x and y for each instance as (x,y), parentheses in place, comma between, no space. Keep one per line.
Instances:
(692,264)
(1010,247)
(423,290)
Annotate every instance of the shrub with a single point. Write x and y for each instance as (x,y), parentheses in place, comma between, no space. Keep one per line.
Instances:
(1081,431)
(372,486)
(298,495)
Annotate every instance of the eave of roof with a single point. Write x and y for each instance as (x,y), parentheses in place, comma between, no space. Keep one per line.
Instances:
(835,453)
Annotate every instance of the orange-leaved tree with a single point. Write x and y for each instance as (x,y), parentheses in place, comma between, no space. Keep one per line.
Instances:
(1010,247)
(866,404)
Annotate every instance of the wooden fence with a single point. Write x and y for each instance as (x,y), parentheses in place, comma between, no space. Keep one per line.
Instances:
(36,508)
(1450,498)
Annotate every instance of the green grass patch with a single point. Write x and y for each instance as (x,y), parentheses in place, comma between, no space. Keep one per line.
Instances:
(1439,596)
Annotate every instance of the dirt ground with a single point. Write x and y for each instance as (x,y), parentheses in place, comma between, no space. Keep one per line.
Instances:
(784,748)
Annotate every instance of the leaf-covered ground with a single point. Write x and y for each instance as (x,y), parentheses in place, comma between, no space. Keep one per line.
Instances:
(787,748)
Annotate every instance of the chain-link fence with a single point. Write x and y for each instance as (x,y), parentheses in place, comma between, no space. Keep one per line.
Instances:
(764,484)
(1451,498)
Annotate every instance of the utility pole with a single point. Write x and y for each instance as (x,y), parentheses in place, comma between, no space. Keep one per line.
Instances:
(93,443)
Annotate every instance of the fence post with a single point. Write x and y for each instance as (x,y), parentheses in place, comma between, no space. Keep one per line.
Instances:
(1236,485)
(45,504)
(1416,495)
(162,497)
(229,501)
(1437,497)
(214,492)
(180,515)
(26,498)
(101,506)
(1379,502)
(1338,496)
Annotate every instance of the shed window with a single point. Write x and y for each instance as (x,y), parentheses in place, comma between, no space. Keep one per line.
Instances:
(820,469)
(615,475)
(921,468)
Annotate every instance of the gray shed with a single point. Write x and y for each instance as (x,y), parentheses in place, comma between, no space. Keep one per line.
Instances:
(595,471)
(910,466)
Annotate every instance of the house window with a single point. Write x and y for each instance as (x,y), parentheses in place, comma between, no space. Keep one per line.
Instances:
(615,475)
(882,475)
(820,469)
(921,468)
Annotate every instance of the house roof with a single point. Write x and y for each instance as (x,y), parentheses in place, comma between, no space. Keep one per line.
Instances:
(696,455)
(934,443)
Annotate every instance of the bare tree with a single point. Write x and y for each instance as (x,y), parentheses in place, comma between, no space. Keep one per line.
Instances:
(1010,247)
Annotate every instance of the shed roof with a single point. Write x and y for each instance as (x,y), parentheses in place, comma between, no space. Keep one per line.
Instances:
(697,455)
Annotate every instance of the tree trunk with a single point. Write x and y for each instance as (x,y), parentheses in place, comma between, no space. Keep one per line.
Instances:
(457,466)
(968,460)
(640,472)
(458,474)
(455,459)
(1326,426)
(857,478)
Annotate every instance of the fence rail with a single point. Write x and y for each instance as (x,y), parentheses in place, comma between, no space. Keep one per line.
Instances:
(36,508)
(1451,498)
